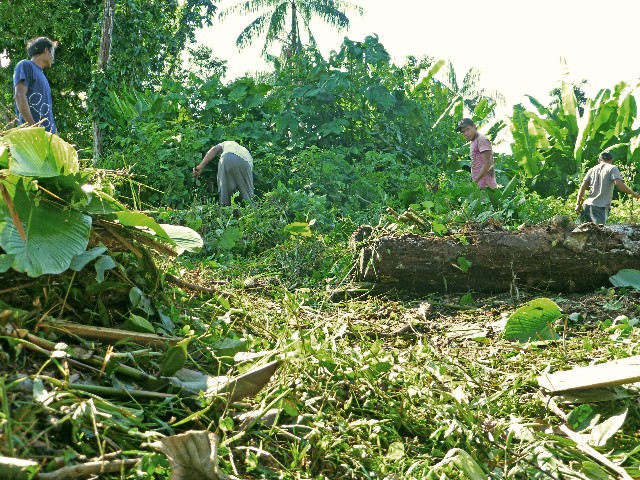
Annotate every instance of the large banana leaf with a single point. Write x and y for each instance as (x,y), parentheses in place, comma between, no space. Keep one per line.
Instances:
(37,153)
(184,238)
(39,236)
(524,146)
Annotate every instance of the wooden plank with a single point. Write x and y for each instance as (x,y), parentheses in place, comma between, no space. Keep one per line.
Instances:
(609,374)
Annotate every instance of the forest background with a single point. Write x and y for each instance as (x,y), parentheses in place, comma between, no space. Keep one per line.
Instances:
(339,141)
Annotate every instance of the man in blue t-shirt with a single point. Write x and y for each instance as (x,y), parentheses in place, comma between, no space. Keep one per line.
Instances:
(32,94)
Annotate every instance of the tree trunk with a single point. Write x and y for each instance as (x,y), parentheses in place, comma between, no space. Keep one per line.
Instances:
(103,62)
(545,257)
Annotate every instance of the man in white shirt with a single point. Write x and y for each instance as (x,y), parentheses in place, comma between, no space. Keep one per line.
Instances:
(601,180)
(235,170)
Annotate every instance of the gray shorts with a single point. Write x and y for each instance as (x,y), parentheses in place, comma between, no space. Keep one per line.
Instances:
(234,175)
(591,213)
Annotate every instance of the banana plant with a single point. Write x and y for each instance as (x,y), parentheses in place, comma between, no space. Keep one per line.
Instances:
(49,207)
(555,146)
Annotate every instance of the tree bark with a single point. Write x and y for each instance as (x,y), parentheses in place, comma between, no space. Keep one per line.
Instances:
(545,257)
(103,62)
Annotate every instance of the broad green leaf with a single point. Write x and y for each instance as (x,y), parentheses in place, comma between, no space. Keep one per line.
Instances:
(139,300)
(454,105)
(37,153)
(580,417)
(228,347)
(103,264)
(298,228)
(593,471)
(524,145)
(533,321)
(174,360)
(570,106)
(6,261)
(627,277)
(435,68)
(626,115)
(136,323)
(100,203)
(54,236)
(542,110)
(80,261)
(438,228)
(185,238)
(602,432)
(229,238)
(139,219)
(4,156)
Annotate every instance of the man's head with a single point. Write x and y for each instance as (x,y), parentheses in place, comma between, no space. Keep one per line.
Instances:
(606,157)
(42,49)
(467,128)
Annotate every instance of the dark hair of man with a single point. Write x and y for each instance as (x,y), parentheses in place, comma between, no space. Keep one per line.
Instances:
(606,156)
(39,45)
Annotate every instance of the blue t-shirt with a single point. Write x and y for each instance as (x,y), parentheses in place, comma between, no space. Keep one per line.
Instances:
(38,94)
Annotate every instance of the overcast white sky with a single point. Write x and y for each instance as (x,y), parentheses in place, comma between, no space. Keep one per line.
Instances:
(515,44)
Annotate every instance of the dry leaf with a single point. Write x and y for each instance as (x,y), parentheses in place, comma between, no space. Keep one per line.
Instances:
(192,455)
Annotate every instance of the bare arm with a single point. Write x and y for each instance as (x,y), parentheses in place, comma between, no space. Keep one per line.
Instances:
(583,189)
(20,96)
(213,151)
(487,164)
(623,188)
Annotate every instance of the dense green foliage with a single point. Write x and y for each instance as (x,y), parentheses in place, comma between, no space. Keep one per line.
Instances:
(148,39)
(388,387)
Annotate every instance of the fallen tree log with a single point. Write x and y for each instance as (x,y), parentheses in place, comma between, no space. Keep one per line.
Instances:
(547,257)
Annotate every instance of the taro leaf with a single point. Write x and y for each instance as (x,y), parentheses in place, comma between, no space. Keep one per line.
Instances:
(607,429)
(54,236)
(103,264)
(80,261)
(36,153)
(248,384)
(185,238)
(192,455)
(533,321)
(5,262)
(627,277)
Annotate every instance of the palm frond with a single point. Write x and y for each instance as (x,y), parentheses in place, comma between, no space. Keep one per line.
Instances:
(247,7)
(253,30)
(276,24)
